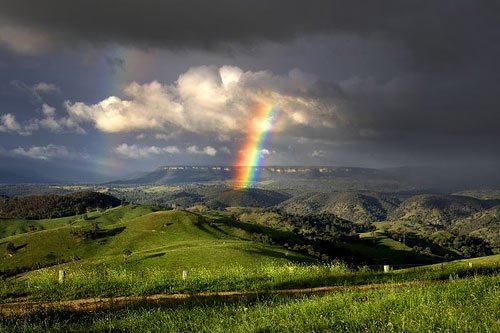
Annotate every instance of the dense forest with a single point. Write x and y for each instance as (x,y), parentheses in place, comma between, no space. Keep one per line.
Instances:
(52,206)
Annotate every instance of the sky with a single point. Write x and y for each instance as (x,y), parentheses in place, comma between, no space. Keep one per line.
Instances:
(100,89)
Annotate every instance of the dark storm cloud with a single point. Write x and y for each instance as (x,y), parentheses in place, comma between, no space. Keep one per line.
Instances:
(437,32)
(407,82)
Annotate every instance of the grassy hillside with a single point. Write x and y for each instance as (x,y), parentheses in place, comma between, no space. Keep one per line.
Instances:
(170,239)
(382,249)
(116,253)
(373,247)
(10,227)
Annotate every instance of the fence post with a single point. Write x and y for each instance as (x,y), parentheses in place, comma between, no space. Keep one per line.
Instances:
(62,276)
(387,268)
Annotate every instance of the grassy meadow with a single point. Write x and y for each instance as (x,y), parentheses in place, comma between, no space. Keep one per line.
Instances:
(463,305)
(135,251)
(110,281)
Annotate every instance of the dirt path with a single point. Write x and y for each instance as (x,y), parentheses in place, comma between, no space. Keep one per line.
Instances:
(105,303)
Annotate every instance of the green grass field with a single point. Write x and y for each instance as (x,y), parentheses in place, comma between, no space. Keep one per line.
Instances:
(464,305)
(217,255)
(103,280)
(10,227)
(161,245)
(172,240)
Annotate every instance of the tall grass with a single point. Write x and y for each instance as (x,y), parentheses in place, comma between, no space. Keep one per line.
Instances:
(465,305)
(103,280)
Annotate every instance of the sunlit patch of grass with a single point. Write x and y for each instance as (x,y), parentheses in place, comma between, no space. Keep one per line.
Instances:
(465,305)
(108,280)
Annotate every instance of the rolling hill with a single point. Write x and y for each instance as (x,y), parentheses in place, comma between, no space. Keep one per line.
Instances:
(358,207)
(484,224)
(169,239)
(213,196)
(251,197)
(11,227)
(441,210)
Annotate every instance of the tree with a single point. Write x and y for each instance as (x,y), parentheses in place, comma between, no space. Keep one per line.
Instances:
(11,248)
(126,253)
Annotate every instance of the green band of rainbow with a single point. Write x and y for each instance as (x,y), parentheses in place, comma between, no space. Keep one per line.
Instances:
(251,157)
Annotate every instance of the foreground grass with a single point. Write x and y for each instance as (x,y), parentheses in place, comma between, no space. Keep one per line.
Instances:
(462,305)
(111,281)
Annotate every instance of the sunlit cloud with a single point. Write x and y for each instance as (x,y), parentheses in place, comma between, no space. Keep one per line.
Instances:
(136,152)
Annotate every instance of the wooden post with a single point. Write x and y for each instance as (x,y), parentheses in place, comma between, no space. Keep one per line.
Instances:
(184,275)
(387,268)
(62,276)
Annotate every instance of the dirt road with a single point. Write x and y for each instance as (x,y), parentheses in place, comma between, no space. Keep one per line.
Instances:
(106,303)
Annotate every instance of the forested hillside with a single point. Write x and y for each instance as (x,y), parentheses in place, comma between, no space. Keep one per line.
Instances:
(51,206)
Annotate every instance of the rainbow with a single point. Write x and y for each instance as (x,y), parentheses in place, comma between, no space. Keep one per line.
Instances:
(139,66)
(252,153)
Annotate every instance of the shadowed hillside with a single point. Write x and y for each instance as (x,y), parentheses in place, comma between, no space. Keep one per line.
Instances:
(251,197)
(354,206)
(439,209)
(484,224)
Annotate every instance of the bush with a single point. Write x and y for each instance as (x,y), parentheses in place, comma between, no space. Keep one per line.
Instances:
(91,232)
(11,248)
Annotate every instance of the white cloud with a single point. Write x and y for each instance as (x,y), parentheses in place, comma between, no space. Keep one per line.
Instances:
(48,111)
(318,153)
(264,152)
(223,103)
(136,152)
(9,124)
(208,150)
(207,100)
(225,150)
(43,152)
(149,109)
(62,124)
(44,87)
